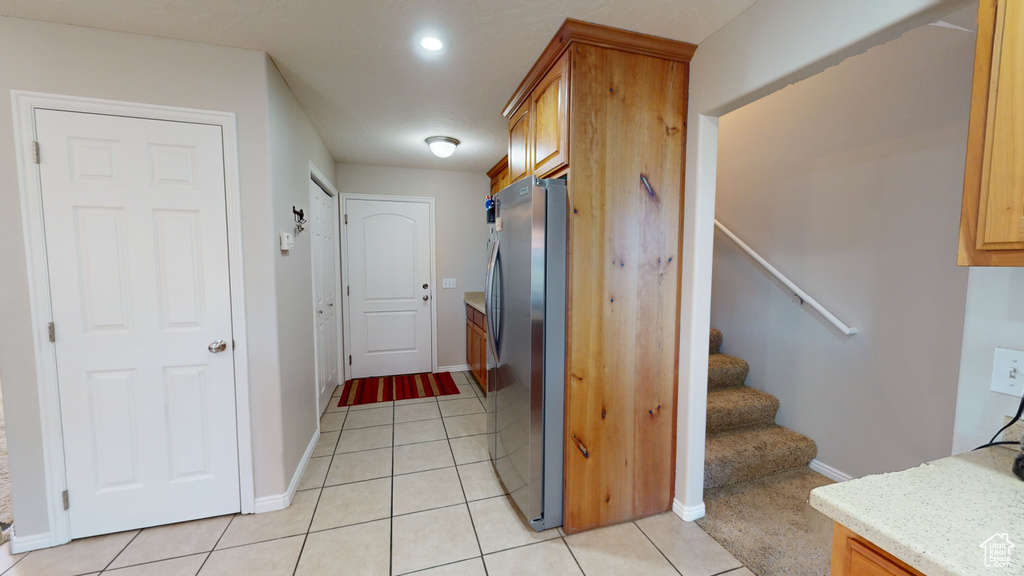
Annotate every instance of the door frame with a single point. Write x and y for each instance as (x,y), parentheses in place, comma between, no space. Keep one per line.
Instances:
(320,180)
(29,184)
(346,313)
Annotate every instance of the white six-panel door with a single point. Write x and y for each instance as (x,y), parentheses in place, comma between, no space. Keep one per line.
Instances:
(389,264)
(136,244)
(324,241)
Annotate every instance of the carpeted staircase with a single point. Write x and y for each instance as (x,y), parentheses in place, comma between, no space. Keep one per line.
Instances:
(743,441)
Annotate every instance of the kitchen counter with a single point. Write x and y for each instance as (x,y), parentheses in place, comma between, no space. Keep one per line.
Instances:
(476,300)
(935,517)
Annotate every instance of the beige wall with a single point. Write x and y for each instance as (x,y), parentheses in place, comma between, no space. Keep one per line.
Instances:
(293,145)
(849,182)
(87,62)
(994,318)
(461,236)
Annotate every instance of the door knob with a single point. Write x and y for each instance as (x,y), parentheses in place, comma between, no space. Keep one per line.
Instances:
(426,297)
(217,346)
(424,286)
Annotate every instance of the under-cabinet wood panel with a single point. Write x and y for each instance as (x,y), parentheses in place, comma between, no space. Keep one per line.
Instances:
(852,555)
(624,284)
(549,142)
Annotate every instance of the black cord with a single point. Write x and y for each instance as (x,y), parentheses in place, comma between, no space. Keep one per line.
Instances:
(1004,442)
(1016,418)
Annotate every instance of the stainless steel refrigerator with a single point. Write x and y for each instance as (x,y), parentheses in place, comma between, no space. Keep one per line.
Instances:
(525,303)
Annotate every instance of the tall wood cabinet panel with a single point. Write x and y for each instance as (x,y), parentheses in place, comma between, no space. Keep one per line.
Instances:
(992,218)
(499,176)
(623,156)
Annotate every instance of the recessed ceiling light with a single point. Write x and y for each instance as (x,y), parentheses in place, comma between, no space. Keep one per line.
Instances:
(442,146)
(431,43)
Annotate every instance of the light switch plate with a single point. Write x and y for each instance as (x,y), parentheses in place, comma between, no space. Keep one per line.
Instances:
(1008,372)
(448,283)
(287,241)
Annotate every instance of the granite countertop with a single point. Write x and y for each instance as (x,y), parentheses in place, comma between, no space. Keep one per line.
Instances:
(935,517)
(476,300)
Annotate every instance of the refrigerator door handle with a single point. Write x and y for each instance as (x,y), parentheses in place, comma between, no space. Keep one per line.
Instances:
(492,335)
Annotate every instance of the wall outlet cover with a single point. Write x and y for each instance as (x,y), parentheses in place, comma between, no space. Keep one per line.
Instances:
(448,283)
(1008,372)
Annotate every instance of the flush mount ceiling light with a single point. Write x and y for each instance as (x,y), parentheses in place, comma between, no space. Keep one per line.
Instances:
(442,146)
(431,43)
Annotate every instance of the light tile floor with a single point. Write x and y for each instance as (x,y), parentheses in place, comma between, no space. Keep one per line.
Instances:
(392,489)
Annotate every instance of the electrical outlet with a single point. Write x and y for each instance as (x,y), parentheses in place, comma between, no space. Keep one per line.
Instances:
(448,283)
(1008,372)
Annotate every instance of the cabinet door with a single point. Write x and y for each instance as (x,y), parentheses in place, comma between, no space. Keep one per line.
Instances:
(1001,213)
(854,556)
(470,342)
(992,219)
(550,139)
(519,144)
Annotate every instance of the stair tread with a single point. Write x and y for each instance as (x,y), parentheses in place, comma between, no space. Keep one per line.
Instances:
(748,453)
(741,407)
(726,371)
(715,341)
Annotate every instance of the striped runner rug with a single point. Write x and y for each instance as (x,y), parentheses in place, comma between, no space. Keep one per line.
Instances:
(404,387)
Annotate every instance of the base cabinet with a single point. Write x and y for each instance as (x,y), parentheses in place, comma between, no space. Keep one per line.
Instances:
(476,346)
(852,555)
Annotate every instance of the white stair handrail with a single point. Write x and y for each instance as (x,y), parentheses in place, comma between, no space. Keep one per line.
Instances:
(803,296)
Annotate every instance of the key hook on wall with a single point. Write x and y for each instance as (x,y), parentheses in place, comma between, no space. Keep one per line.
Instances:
(300,219)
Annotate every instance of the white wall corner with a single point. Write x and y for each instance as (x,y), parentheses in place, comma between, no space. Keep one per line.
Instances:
(688,513)
(276,502)
(22,544)
(828,471)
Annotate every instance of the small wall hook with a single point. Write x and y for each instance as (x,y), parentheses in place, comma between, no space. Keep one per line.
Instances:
(300,219)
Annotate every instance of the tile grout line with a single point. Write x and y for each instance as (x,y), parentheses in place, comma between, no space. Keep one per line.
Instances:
(391,510)
(116,556)
(571,553)
(465,497)
(670,563)
(305,536)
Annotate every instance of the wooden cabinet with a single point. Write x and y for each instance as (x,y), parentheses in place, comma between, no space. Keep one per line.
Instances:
(499,176)
(476,346)
(606,109)
(519,144)
(992,217)
(855,556)
(549,139)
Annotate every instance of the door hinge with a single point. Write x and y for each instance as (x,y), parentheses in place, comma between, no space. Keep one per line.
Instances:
(232,344)
(348,290)
(349,359)
(52,331)
(35,152)
(67,500)
(346,219)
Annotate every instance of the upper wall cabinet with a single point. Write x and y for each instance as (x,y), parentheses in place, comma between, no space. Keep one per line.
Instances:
(550,140)
(499,176)
(519,165)
(992,217)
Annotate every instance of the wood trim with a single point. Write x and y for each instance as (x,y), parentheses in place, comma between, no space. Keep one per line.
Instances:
(597,35)
(501,165)
(968,253)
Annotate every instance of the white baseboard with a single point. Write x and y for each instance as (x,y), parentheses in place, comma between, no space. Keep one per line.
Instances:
(277,502)
(828,471)
(455,368)
(22,544)
(688,513)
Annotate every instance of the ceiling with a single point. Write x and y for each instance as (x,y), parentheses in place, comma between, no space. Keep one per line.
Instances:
(356,67)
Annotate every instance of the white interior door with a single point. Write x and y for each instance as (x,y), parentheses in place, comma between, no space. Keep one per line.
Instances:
(136,246)
(389,265)
(324,240)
